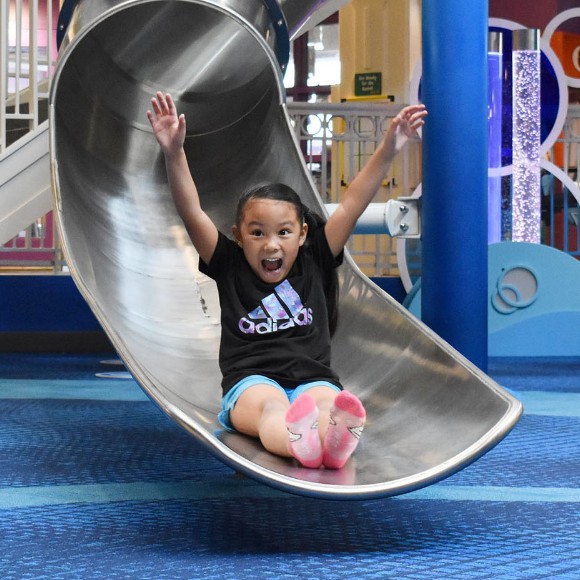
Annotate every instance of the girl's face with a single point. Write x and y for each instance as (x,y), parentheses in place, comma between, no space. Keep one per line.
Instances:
(270,235)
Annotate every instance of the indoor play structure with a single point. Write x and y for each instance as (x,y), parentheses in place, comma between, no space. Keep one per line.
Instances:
(430,411)
(533,307)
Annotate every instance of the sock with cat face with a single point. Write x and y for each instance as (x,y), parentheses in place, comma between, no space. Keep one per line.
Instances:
(302,424)
(347,419)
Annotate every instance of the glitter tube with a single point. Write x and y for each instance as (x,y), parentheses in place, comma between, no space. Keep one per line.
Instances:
(526,201)
(494,105)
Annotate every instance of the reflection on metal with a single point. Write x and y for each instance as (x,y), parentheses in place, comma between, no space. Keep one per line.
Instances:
(303,15)
(430,412)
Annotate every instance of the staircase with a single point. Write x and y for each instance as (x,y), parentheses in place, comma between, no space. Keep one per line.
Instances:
(25,192)
(27,46)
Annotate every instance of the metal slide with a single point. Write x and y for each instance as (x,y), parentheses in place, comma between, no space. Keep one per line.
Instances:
(430,412)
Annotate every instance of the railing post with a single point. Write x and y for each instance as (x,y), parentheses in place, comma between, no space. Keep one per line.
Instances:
(3,70)
(49,42)
(33,64)
(17,56)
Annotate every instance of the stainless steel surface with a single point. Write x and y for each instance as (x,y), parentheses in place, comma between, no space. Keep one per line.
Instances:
(526,39)
(430,412)
(495,42)
(303,15)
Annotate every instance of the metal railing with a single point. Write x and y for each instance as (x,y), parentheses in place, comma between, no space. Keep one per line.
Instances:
(562,203)
(27,51)
(37,248)
(27,55)
(337,140)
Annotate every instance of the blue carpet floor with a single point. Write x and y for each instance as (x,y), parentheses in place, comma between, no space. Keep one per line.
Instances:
(95,482)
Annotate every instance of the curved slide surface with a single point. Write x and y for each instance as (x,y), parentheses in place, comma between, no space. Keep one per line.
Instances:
(430,412)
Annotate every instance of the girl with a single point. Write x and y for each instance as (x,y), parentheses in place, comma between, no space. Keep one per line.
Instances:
(277,288)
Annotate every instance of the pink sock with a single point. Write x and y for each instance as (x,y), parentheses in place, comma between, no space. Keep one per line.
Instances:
(302,424)
(347,419)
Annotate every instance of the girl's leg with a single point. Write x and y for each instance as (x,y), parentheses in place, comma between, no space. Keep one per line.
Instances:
(260,412)
(347,419)
(342,418)
(264,412)
(324,398)
(304,438)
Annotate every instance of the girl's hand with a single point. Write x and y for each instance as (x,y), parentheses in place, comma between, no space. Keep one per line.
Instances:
(402,128)
(168,128)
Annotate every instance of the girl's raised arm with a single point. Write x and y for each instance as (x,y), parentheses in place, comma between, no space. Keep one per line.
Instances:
(169,130)
(366,184)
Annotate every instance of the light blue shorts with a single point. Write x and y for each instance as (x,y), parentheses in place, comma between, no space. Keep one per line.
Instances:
(230,398)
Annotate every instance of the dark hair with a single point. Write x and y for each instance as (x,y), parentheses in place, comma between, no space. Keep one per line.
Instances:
(282,192)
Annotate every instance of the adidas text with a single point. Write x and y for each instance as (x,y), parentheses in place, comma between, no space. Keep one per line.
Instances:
(303,318)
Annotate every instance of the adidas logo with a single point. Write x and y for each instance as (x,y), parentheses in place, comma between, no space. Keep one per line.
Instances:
(280,310)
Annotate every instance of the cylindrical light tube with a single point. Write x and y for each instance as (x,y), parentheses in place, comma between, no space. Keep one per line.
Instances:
(494,104)
(526,200)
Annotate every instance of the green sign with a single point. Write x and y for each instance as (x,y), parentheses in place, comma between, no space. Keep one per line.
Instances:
(366,84)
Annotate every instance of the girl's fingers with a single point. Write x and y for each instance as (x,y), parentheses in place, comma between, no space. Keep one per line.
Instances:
(419,122)
(414,116)
(413,112)
(170,104)
(163,104)
(418,117)
(156,107)
(166,102)
(159,103)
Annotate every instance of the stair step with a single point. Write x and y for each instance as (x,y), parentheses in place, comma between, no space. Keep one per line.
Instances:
(17,128)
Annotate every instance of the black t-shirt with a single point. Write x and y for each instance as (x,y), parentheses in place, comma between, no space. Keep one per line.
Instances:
(276,330)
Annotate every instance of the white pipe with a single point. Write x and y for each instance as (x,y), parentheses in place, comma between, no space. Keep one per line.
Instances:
(372,221)
(396,218)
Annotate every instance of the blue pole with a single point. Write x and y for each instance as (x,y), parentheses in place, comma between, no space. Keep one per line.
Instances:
(454,89)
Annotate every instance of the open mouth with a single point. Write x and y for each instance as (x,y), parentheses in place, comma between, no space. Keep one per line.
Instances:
(272,264)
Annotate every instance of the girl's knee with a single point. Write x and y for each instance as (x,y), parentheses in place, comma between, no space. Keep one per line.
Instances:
(254,405)
(323,395)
